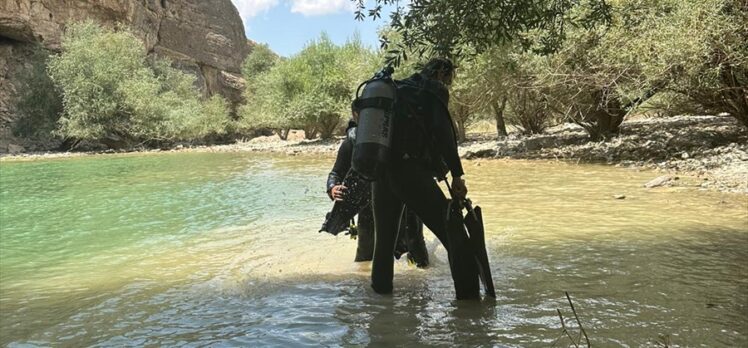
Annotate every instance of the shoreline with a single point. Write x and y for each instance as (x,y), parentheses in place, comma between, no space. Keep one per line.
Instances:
(711,148)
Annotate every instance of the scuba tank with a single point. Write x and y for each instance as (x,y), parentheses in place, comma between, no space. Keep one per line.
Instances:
(374,132)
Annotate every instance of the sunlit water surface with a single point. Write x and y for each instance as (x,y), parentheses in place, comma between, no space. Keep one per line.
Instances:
(222,249)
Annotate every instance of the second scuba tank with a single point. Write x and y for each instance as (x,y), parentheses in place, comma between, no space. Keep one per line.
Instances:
(374,132)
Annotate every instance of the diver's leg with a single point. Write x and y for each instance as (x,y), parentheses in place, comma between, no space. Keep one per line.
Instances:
(418,190)
(417,251)
(387,209)
(421,195)
(365,249)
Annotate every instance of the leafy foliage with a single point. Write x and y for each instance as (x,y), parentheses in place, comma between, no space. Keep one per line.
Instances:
(467,97)
(446,27)
(667,56)
(311,90)
(259,61)
(589,62)
(112,90)
(692,48)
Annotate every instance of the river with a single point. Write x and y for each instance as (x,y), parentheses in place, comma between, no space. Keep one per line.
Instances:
(199,249)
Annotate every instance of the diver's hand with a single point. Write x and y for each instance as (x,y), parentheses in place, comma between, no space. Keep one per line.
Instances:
(338,192)
(459,190)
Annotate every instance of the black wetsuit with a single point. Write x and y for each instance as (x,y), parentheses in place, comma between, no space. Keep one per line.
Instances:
(411,236)
(423,143)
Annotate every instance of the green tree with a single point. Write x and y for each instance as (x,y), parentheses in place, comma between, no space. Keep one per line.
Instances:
(467,97)
(602,73)
(457,26)
(492,77)
(259,61)
(112,92)
(703,45)
(255,69)
(311,90)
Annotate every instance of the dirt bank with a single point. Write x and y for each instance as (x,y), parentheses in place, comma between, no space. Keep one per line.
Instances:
(712,148)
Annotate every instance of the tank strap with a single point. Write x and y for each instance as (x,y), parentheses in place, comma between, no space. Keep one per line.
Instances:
(374,102)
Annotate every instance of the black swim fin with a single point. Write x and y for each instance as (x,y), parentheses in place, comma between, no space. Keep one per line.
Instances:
(467,232)
(474,225)
(464,269)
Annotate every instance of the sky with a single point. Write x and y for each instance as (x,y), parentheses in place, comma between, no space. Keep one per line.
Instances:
(287,25)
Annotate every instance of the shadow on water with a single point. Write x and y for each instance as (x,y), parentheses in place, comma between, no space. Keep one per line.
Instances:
(413,318)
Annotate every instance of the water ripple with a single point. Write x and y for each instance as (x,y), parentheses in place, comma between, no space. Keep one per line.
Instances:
(223,250)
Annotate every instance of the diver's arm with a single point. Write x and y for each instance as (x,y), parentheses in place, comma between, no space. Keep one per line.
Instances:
(448,147)
(341,166)
(332,180)
(446,142)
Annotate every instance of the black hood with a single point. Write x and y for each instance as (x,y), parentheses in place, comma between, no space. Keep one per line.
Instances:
(351,124)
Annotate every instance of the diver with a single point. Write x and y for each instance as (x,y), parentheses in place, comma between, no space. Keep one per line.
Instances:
(424,147)
(410,239)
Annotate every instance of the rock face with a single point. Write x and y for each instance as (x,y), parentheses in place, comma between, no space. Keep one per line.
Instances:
(205,38)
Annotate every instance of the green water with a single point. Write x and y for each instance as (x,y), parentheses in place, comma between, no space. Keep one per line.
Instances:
(222,249)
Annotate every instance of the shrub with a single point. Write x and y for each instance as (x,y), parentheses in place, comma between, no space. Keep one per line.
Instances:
(696,48)
(529,110)
(258,62)
(111,89)
(311,90)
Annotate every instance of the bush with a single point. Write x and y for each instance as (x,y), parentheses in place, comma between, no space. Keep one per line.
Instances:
(529,110)
(112,90)
(695,48)
(258,62)
(311,90)
(708,44)
(467,98)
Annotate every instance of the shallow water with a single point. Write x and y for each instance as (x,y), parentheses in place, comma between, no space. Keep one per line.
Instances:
(222,249)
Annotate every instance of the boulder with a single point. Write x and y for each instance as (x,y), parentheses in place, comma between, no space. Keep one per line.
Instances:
(14,149)
(658,181)
(539,142)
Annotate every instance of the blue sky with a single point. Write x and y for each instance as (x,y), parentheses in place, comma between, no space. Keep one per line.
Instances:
(287,25)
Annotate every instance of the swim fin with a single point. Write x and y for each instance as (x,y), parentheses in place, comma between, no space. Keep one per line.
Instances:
(474,225)
(357,197)
(467,231)
(464,269)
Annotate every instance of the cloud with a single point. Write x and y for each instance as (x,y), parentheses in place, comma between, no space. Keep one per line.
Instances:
(250,8)
(320,7)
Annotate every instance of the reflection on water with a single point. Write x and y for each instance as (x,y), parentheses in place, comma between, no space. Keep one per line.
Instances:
(222,249)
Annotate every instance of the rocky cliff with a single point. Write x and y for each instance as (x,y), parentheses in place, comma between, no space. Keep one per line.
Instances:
(203,37)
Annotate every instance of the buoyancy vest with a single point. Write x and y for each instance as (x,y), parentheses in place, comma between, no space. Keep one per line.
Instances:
(413,138)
